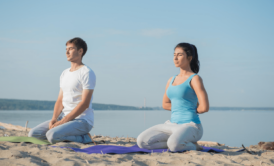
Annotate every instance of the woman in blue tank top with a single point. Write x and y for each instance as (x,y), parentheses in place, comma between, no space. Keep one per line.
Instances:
(185,97)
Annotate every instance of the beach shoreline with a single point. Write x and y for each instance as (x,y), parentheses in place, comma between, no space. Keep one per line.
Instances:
(33,154)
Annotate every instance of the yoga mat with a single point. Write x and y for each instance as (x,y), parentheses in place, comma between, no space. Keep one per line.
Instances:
(103,149)
(111,149)
(25,139)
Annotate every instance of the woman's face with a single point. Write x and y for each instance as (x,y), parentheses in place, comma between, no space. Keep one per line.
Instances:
(180,58)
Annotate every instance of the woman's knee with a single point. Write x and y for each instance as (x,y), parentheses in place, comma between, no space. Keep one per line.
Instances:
(149,137)
(174,145)
(144,140)
(140,141)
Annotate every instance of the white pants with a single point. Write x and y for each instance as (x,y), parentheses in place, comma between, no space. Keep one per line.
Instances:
(174,136)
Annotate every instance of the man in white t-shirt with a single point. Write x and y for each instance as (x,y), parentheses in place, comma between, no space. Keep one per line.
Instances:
(73,116)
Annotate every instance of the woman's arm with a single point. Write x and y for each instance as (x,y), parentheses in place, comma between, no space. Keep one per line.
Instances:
(166,101)
(198,86)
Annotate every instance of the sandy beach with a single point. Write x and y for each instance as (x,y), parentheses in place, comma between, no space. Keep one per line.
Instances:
(32,154)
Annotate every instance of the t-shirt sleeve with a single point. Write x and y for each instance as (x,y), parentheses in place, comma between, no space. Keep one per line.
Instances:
(89,80)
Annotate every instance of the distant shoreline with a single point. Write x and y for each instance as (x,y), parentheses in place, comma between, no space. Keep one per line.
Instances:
(17,104)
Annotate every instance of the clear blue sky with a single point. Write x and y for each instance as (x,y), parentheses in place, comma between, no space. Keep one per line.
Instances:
(130,48)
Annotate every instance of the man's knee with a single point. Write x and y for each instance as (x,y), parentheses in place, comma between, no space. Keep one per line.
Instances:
(52,136)
(31,133)
(35,133)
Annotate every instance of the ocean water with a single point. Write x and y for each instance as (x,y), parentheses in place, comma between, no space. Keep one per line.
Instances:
(232,128)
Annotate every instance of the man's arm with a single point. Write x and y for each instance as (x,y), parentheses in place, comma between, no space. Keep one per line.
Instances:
(58,107)
(79,109)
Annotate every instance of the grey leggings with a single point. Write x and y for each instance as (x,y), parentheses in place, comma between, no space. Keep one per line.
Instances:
(174,136)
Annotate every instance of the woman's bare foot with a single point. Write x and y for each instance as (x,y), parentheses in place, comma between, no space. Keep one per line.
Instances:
(198,147)
(266,145)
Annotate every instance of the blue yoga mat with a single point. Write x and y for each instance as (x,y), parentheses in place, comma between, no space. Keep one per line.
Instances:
(112,149)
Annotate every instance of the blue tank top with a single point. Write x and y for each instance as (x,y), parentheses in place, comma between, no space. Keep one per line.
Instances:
(183,102)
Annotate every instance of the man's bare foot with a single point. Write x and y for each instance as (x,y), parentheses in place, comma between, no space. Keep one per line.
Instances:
(198,147)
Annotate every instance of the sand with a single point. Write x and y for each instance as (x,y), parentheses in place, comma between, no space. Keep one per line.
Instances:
(31,154)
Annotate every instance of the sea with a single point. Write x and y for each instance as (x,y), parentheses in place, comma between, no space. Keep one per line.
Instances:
(232,128)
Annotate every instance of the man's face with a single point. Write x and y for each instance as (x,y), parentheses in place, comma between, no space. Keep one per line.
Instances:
(72,53)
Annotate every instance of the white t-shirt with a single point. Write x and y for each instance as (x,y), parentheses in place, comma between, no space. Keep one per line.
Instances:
(73,84)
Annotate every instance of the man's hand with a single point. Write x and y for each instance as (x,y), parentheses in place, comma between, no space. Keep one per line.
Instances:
(80,108)
(58,107)
(56,124)
(51,123)
(64,120)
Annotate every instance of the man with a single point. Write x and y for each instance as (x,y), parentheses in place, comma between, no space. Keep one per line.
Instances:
(73,114)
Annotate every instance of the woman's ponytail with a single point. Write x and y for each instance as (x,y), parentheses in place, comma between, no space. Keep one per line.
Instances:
(195,64)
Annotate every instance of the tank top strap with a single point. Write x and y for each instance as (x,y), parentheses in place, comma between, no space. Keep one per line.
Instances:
(172,80)
(190,77)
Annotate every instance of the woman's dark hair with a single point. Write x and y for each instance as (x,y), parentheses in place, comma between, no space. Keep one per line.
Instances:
(79,43)
(191,50)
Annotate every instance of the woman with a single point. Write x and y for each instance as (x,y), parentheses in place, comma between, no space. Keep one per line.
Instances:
(185,97)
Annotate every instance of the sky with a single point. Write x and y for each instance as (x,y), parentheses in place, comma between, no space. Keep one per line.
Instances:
(131,44)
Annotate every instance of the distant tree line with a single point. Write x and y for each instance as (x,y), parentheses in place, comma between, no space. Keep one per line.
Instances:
(13,104)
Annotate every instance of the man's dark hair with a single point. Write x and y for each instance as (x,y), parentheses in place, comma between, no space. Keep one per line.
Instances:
(79,43)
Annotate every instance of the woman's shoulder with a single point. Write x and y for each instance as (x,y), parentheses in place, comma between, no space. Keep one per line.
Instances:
(170,79)
(196,79)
